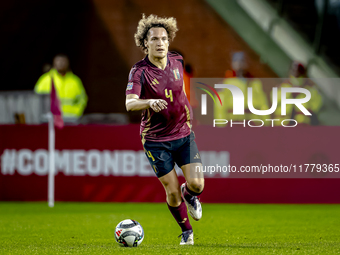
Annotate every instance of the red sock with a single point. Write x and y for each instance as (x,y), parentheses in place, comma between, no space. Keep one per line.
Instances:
(180,214)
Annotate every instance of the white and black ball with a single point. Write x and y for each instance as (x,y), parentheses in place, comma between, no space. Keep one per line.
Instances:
(129,233)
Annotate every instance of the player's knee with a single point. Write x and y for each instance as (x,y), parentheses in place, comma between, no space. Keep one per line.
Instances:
(174,196)
(196,185)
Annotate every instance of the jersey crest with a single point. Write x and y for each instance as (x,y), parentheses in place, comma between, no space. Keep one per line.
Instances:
(176,74)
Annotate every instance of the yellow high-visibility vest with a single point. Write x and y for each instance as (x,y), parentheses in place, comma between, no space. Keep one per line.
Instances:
(69,89)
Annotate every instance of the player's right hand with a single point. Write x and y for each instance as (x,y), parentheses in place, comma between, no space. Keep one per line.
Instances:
(157,104)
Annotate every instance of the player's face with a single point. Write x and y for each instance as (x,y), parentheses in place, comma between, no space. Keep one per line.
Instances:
(157,42)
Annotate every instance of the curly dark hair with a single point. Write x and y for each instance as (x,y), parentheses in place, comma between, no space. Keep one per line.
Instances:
(144,25)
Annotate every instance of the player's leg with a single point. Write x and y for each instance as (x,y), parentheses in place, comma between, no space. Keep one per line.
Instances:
(192,188)
(162,163)
(188,158)
(172,189)
(194,178)
(176,205)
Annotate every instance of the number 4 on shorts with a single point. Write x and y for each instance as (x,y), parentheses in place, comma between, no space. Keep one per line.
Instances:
(150,155)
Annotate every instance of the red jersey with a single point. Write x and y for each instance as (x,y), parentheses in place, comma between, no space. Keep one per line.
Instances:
(150,82)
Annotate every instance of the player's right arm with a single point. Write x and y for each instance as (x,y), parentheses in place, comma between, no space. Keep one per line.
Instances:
(133,92)
(133,103)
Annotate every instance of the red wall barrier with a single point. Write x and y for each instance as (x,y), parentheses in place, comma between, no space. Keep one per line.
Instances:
(106,163)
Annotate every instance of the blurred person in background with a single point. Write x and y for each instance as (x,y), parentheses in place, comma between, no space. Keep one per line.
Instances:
(69,88)
(239,66)
(188,73)
(156,86)
(240,77)
(298,78)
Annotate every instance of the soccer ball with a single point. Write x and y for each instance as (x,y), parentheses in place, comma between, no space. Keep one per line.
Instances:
(129,233)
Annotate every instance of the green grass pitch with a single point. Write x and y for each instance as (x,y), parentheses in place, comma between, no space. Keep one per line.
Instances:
(88,228)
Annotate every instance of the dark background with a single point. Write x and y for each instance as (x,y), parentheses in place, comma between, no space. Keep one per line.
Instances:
(98,37)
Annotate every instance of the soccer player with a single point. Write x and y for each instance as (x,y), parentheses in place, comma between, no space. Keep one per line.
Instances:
(156,86)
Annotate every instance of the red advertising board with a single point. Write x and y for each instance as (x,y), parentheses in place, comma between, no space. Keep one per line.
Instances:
(107,163)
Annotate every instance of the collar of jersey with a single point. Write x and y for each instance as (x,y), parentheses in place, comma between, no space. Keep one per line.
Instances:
(168,61)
